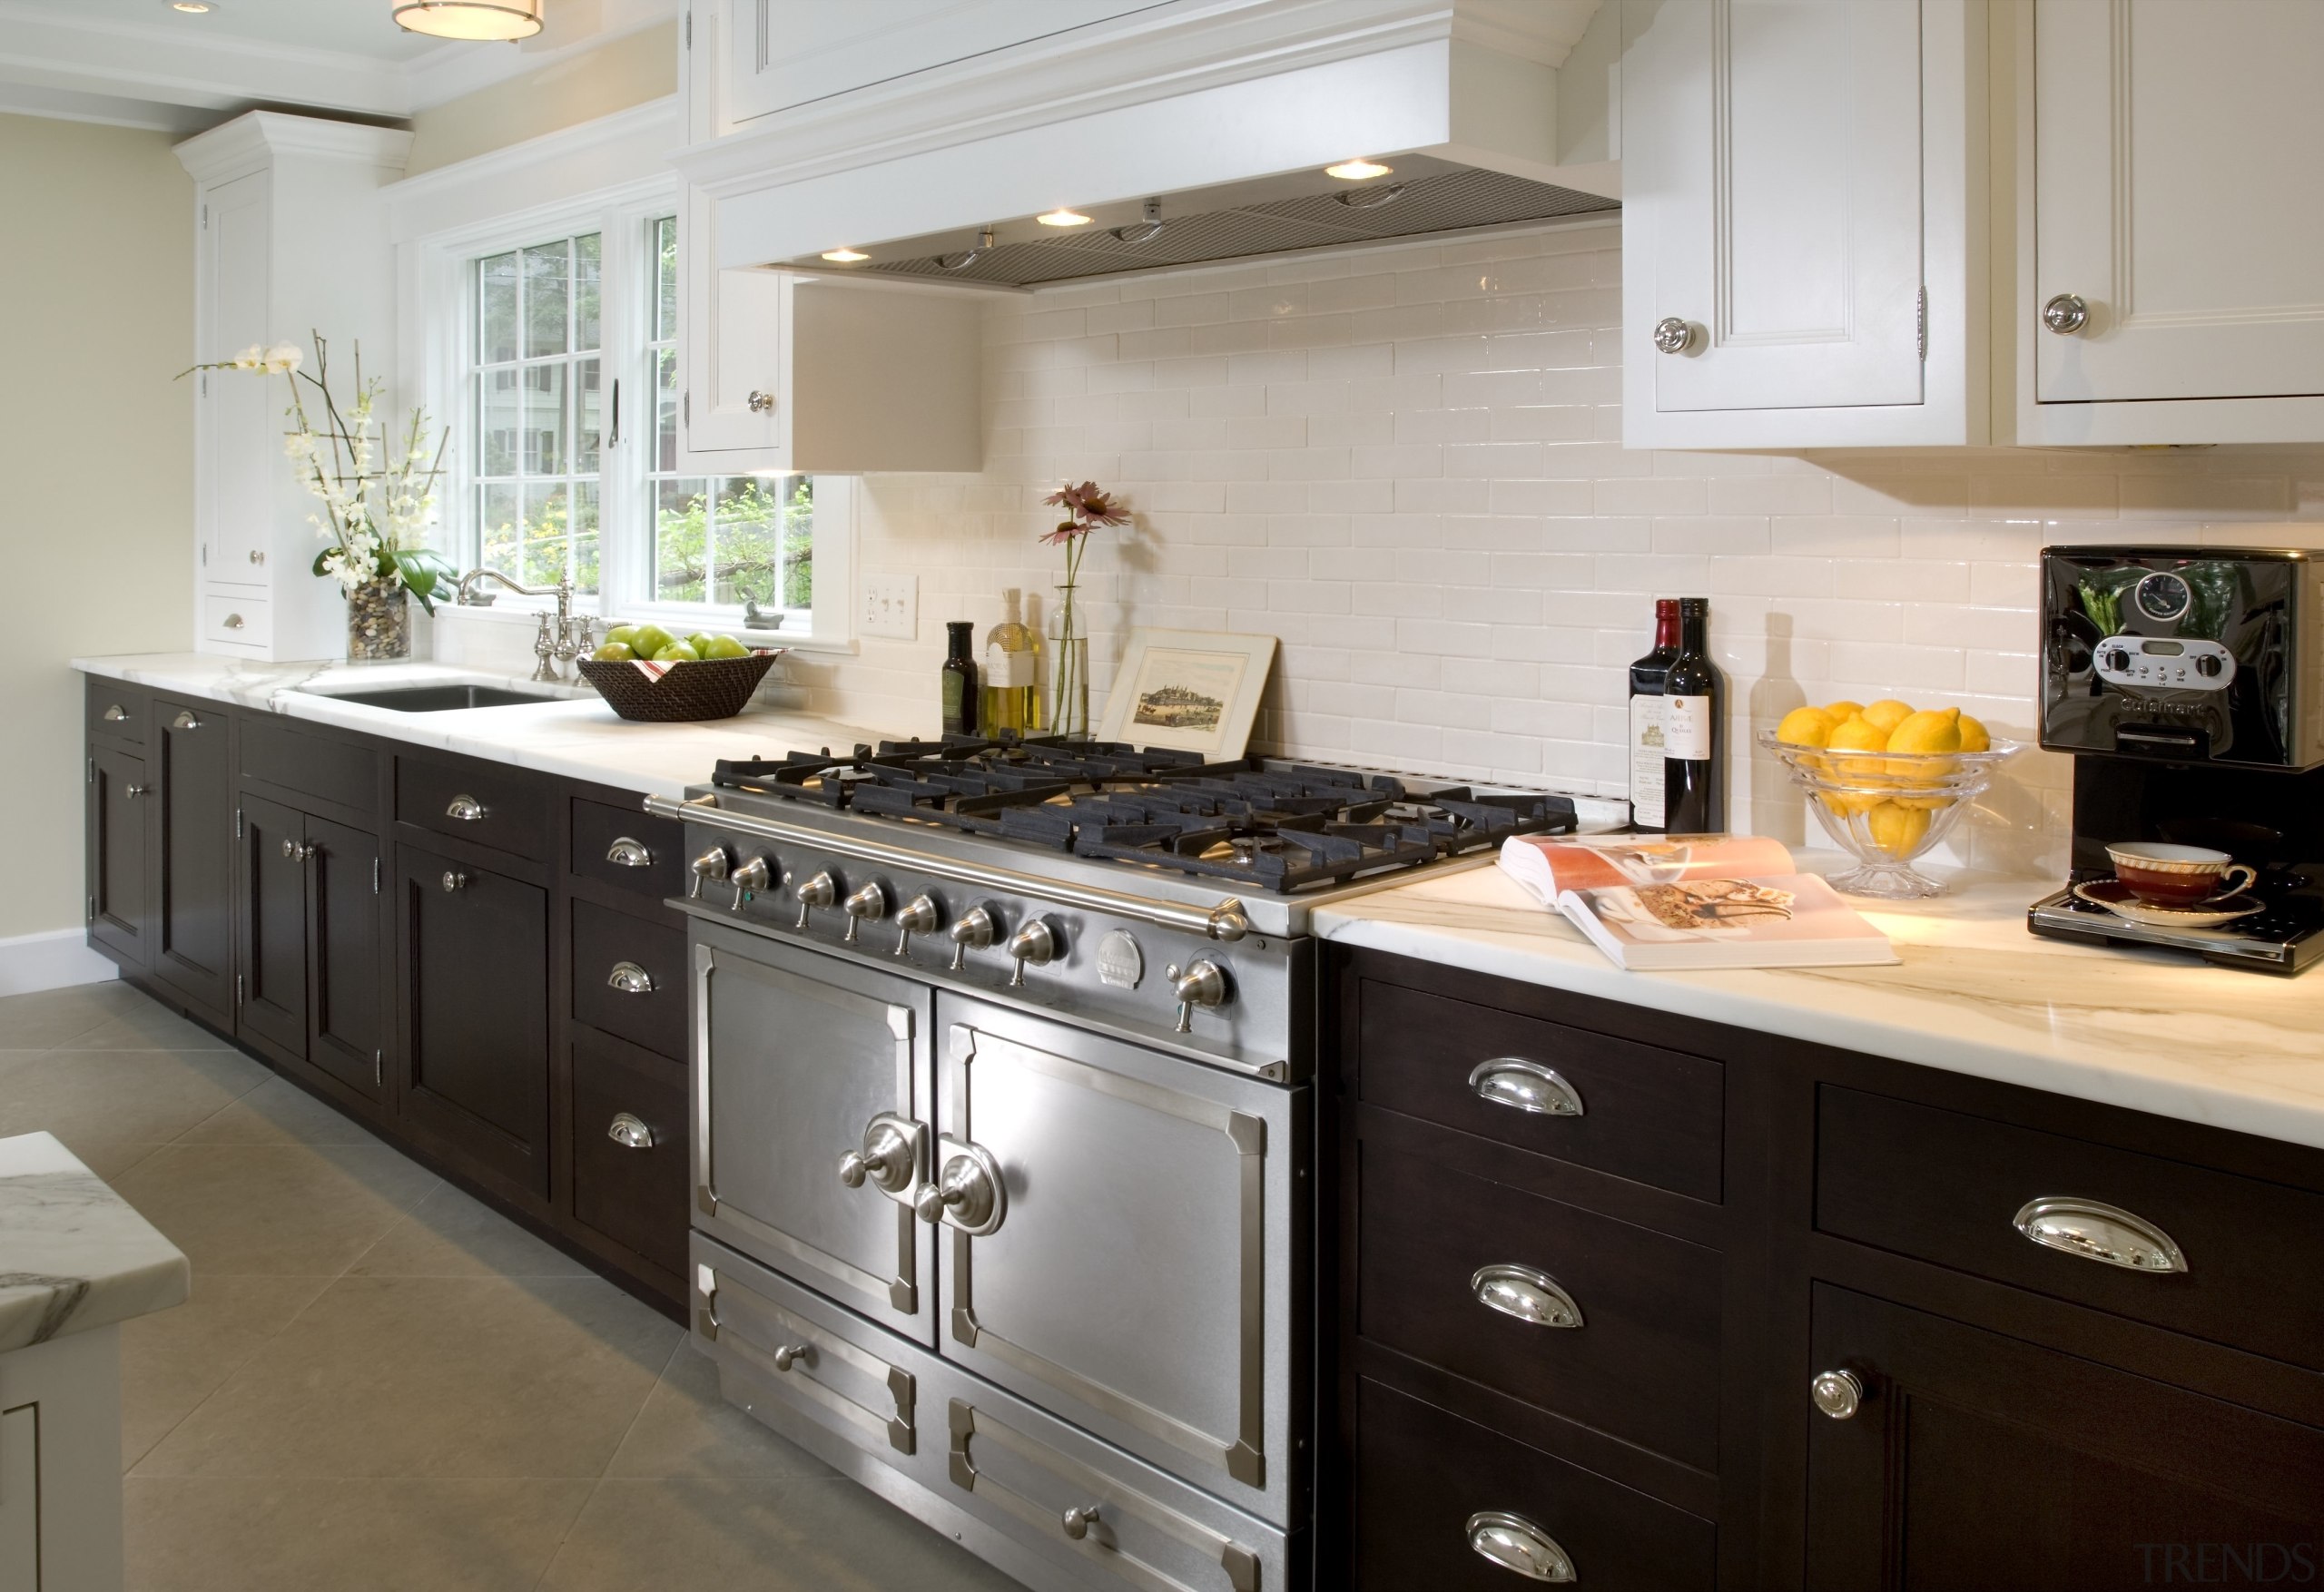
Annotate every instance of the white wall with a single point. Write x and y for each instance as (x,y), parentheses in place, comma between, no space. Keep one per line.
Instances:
(1405,464)
(96,463)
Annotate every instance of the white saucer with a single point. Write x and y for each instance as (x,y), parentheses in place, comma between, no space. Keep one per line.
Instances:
(2115,896)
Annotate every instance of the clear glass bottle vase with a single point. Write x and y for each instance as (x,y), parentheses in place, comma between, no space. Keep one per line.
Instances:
(1068,646)
(379,623)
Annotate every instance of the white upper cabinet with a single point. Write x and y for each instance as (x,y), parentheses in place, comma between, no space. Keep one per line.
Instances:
(787,52)
(1796,179)
(2172,288)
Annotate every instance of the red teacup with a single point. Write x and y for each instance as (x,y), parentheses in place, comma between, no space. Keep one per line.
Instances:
(2177,876)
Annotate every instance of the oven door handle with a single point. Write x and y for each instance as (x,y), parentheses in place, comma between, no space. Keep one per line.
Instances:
(1224,921)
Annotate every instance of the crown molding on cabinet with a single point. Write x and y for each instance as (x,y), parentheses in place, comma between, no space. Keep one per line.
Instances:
(251,138)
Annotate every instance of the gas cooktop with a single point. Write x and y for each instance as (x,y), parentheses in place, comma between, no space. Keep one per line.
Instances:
(1264,823)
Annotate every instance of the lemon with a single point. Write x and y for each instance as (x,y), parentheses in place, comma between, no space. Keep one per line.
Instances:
(1930,730)
(1842,711)
(1806,727)
(1887,712)
(1857,735)
(1896,828)
(1974,736)
(1847,802)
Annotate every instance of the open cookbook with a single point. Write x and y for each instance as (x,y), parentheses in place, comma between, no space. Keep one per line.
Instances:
(1661,902)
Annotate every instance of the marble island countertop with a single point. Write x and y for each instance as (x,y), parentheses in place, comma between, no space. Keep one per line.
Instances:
(74,1255)
(578,737)
(1975,993)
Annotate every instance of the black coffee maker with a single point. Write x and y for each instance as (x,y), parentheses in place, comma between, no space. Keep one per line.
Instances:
(2188,684)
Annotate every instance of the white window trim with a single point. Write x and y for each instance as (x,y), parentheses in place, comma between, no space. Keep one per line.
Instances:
(434,271)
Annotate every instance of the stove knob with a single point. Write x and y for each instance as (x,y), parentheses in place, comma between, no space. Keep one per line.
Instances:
(819,891)
(1202,984)
(711,865)
(748,879)
(869,904)
(919,917)
(976,929)
(2207,663)
(1036,943)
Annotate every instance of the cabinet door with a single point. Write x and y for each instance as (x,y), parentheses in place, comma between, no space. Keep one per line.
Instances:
(272,962)
(346,1029)
(734,399)
(1772,147)
(194,940)
(1979,1461)
(2175,195)
(472,1010)
(120,801)
(238,441)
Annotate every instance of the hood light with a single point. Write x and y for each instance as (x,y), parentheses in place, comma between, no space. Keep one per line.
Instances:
(1063,218)
(844,255)
(1357,171)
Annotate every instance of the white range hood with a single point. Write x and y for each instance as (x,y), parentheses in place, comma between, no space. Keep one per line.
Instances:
(1217,114)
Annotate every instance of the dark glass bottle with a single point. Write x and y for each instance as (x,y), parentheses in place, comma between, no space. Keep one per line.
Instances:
(1646,677)
(1694,798)
(959,679)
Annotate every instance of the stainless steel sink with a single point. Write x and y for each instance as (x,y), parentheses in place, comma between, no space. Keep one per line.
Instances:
(438,698)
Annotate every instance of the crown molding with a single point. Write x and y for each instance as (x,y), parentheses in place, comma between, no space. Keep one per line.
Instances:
(611,156)
(264,133)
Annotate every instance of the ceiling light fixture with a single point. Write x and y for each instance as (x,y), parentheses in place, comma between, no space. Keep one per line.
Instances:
(500,20)
(192,7)
(1061,217)
(1357,171)
(844,255)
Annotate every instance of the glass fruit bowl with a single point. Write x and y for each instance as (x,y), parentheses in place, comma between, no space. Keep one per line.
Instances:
(1887,808)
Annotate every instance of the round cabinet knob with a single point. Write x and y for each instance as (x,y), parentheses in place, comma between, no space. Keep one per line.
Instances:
(1673,336)
(257,557)
(1204,983)
(2066,314)
(2207,663)
(1837,1393)
(868,905)
(134,790)
(760,402)
(1079,1519)
(454,881)
(819,891)
(791,1355)
(291,848)
(748,879)
(711,866)
(920,917)
(1036,943)
(976,929)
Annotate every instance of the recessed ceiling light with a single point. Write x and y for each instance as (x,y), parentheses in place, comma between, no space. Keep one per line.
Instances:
(470,19)
(844,255)
(1062,217)
(192,7)
(1357,171)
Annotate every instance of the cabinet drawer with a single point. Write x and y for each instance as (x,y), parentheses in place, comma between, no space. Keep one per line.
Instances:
(629,1151)
(629,978)
(1423,1477)
(1643,1364)
(243,621)
(1948,1187)
(114,711)
(498,807)
(343,771)
(622,847)
(1649,1115)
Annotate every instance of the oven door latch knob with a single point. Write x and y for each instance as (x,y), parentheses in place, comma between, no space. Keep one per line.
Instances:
(819,891)
(1204,983)
(748,879)
(974,932)
(917,918)
(1035,943)
(868,905)
(886,1160)
(711,866)
(966,1192)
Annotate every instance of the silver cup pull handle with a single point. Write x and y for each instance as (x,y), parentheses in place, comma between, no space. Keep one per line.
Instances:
(630,979)
(2105,1234)
(185,720)
(1524,1085)
(1531,1296)
(464,808)
(114,715)
(630,1132)
(1515,1543)
(626,852)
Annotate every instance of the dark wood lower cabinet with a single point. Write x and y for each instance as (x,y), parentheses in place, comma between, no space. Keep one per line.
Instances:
(119,841)
(274,936)
(347,1029)
(472,947)
(192,911)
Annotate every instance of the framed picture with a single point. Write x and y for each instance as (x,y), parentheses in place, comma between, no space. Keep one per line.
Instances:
(1190,690)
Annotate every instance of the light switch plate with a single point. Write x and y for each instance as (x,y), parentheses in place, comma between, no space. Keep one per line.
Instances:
(890,606)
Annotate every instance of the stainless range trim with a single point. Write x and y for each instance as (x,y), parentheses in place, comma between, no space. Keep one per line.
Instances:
(1225,920)
(897,1430)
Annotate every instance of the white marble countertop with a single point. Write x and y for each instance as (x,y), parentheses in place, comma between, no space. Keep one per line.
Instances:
(1975,993)
(74,1255)
(579,737)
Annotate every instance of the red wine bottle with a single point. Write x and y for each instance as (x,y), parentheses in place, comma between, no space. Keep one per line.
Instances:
(1646,718)
(1694,801)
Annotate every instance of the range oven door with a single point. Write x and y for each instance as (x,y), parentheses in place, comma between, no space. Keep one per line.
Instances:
(1134,1272)
(810,1122)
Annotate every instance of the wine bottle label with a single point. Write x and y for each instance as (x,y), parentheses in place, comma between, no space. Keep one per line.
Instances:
(955,698)
(1646,760)
(1006,670)
(1687,728)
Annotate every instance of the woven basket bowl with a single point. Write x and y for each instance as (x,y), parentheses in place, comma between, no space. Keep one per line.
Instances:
(708,688)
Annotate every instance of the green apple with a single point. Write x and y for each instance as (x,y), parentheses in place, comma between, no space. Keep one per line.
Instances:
(725,646)
(700,642)
(623,633)
(615,652)
(649,639)
(677,652)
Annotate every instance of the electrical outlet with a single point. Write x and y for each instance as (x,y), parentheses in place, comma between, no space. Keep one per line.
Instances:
(892,606)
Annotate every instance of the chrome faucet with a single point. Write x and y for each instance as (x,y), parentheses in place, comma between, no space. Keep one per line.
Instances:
(562,637)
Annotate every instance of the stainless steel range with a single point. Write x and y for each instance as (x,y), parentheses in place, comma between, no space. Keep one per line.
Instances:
(1002,1141)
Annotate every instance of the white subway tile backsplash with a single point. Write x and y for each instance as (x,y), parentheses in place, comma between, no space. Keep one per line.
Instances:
(1405,463)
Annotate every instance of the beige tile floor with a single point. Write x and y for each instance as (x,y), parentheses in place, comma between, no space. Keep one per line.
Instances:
(379,1383)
